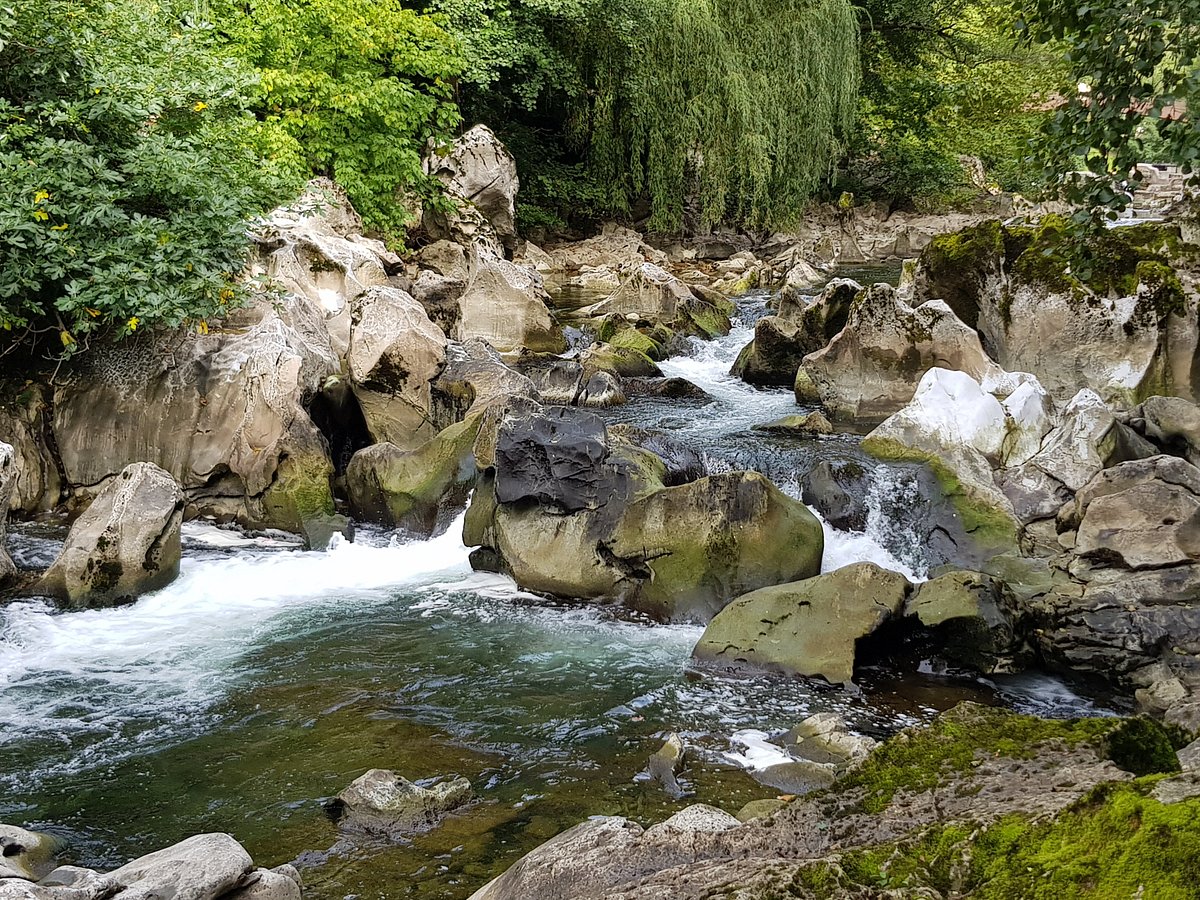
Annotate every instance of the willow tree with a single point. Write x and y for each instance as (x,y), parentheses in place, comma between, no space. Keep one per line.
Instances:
(739,104)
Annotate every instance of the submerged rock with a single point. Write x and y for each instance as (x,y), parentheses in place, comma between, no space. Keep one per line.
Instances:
(665,764)
(383,803)
(806,627)
(800,424)
(126,543)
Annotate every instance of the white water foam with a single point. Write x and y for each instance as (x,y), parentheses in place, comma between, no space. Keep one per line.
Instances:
(173,653)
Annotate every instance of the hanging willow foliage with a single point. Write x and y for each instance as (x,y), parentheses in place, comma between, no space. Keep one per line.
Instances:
(739,104)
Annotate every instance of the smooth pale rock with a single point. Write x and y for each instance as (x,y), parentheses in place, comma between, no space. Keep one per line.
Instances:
(614,249)
(871,368)
(1172,423)
(269,884)
(665,763)
(395,354)
(126,543)
(8,478)
(478,169)
(382,802)
(203,867)
(1189,757)
(824,738)
(806,627)
(506,305)
(26,854)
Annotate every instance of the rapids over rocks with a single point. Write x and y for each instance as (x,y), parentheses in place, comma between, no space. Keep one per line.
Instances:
(266,678)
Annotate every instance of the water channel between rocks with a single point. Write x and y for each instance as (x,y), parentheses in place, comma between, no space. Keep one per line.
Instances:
(266,679)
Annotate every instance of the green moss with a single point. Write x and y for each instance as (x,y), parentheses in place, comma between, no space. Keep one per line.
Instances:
(985,523)
(709,320)
(632,339)
(920,759)
(956,264)
(1143,747)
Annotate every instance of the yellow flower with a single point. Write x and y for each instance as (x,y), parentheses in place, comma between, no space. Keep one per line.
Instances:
(41,215)
(202,327)
(62,227)
(133,323)
(91,312)
(41,197)
(66,338)
(200,105)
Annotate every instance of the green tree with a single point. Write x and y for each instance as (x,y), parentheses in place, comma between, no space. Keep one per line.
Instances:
(1138,62)
(128,169)
(351,89)
(739,105)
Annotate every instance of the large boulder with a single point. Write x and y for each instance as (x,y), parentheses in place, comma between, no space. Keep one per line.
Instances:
(506,305)
(8,478)
(1119,319)
(475,378)
(409,488)
(873,365)
(802,326)
(477,169)
(652,294)
(380,802)
(967,612)
(199,868)
(611,251)
(25,423)
(125,543)
(573,510)
(395,354)
(1126,593)
(807,627)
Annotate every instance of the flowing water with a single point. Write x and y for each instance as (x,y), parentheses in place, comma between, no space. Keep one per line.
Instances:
(266,678)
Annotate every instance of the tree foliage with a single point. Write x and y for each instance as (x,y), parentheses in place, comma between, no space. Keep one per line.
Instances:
(351,89)
(741,105)
(1136,60)
(128,169)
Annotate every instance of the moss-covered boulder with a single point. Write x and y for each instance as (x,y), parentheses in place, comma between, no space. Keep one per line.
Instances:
(966,611)
(409,488)
(1113,311)
(980,803)
(807,627)
(653,295)
(573,510)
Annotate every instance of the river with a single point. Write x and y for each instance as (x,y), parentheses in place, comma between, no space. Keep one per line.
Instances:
(267,678)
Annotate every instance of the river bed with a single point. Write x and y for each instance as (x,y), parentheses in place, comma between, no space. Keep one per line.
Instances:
(267,678)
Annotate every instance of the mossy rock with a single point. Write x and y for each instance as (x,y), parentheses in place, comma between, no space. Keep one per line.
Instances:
(624,361)
(629,338)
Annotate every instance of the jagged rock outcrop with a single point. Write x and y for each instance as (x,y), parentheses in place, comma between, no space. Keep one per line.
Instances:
(126,543)
(204,867)
(25,424)
(478,169)
(380,802)
(1122,325)
(613,250)
(8,478)
(873,365)
(506,305)
(574,510)
(801,327)
(651,294)
(806,627)
(395,354)
(1126,588)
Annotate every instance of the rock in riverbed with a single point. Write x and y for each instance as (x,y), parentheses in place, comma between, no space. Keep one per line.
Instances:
(125,544)
(383,803)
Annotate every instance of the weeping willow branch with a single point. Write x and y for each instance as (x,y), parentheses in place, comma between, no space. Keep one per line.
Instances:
(741,104)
